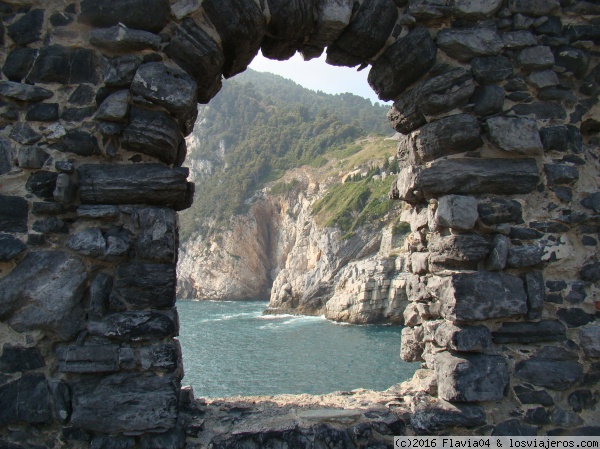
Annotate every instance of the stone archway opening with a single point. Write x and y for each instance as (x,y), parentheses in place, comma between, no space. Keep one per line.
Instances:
(497,101)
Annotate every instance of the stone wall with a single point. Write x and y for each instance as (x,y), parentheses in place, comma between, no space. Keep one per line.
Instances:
(497,101)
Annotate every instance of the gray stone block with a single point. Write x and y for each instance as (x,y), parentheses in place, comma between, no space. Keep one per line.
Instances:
(32,157)
(89,242)
(148,15)
(456,251)
(135,184)
(547,330)
(44,292)
(119,38)
(518,135)
(115,107)
(139,286)
(125,402)
(480,296)
(553,368)
(589,339)
(10,247)
(24,92)
(457,212)
(469,43)
(463,338)
(26,400)
(88,359)
(525,256)
(18,359)
(471,378)
(136,326)
(536,294)
(440,415)
(162,358)
(498,256)
(536,58)
(157,239)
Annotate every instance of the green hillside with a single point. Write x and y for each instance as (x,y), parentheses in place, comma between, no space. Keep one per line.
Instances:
(261,125)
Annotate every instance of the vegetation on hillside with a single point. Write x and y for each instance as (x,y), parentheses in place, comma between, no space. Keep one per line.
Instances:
(261,125)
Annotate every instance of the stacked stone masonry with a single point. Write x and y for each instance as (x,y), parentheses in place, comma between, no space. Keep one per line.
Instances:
(497,104)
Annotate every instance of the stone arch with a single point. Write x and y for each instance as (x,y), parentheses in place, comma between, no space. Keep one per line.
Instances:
(497,105)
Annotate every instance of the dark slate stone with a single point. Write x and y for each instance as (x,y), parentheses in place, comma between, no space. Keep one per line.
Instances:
(463,250)
(71,434)
(10,247)
(42,112)
(153,184)
(581,400)
(536,58)
(195,51)
(366,34)
(471,176)
(449,135)
(26,400)
(122,39)
(61,393)
(100,289)
(528,395)
(78,142)
(175,438)
(88,242)
(7,155)
(487,100)
(47,208)
(136,326)
(525,256)
(154,133)
(148,15)
(120,70)
(77,114)
(575,317)
(515,134)
(161,358)
(565,418)
(559,94)
(553,368)
(83,95)
(551,27)
(42,183)
(575,139)
(241,26)
(586,240)
(553,227)
(17,359)
(574,60)
(533,7)
(61,19)
(157,239)
(64,65)
(479,296)
(13,214)
(24,134)
(291,23)
(125,402)
(536,294)
(465,44)
(50,225)
(491,69)
(32,157)
(498,256)
(98,212)
(44,292)
(463,338)
(494,210)
(547,330)
(584,32)
(537,416)
(561,174)
(592,201)
(28,28)
(402,63)
(434,417)
(169,87)
(115,107)
(555,138)
(513,427)
(139,286)
(563,193)
(88,359)
(519,233)
(18,63)
(24,92)
(541,110)
(444,92)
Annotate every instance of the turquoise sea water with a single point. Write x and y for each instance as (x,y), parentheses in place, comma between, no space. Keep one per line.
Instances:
(230,348)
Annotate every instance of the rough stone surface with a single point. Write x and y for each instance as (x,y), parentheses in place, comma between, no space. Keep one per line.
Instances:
(32,157)
(457,251)
(402,63)
(469,176)
(561,174)
(498,256)
(469,43)
(122,39)
(24,92)
(154,133)
(495,210)
(139,286)
(78,142)
(441,415)
(457,212)
(26,400)
(471,378)
(553,368)
(480,296)
(536,58)
(157,241)
(10,247)
(547,330)
(115,107)
(125,402)
(88,359)
(536,294)
(136,326)
(64,65)
(517,135)
(18,359)
(44,291)
(464,338)
(134,184)
(527,395)
(589,339)
(145,15)
(491,69)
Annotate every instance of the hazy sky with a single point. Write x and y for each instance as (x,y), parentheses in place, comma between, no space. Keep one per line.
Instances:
(317,75)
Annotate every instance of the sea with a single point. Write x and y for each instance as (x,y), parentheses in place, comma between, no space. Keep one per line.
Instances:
(230,348)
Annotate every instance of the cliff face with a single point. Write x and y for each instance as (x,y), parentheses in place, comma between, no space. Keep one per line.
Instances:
(312,270)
